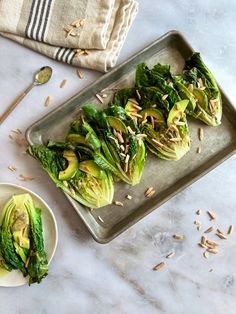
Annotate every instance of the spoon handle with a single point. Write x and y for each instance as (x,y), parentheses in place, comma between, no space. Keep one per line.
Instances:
(15,103)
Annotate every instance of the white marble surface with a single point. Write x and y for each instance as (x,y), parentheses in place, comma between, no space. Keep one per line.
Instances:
(86,277)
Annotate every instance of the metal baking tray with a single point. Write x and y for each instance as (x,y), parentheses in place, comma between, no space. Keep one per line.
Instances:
(167,177)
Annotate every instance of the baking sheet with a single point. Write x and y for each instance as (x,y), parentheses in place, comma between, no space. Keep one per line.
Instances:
(167,177)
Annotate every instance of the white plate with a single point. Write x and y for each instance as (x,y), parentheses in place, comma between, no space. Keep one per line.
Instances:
(15,277)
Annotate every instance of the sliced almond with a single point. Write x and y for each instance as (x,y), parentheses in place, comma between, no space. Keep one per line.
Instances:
(210,229)
(221,236)
(203,240)
(138,94)
(198,212)
(197,222)
(178,237)
(12,168)
(220,231)
(164,96)
(231,229)
(213,251)
(199,150)
(206,254)
(129,197)
(149,190)
(201,134)
(99,98)
(141,135)
(118,203)
(159,266)
(80,74)
(211,215)
(212,242)
(170,255)
(150,194)
(63,83)
(130,130)
(127,158)
(202,245)
(48,101)
(100,218)
(120,138)
(25,178)
(152,121)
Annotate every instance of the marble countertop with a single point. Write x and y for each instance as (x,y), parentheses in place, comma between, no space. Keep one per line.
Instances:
(87,277)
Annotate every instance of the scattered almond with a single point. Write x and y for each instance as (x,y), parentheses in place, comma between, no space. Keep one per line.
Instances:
(206,254)
(220,231)
(212,242)
(100,218)
(201,134)
(202,245)
(231,229)
(210,229)
(129,197)
(203,240)
(170,255)
(197,222)
(149,190)
(48,101)
(159,266)
(25,178)
(99,98)
(12,168)
(17,131)
(211,215)
(178,237)
(213,251)
(80,74)
(199,150)
(118,203)
(150,194)
(221,236)
(63,83)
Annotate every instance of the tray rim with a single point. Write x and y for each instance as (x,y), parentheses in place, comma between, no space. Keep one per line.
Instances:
(96,237)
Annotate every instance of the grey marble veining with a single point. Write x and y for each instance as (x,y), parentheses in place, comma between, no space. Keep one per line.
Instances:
(86,277)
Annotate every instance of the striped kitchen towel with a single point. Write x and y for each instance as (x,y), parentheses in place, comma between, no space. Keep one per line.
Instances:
(85,33)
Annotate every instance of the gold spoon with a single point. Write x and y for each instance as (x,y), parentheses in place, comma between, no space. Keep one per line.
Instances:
(41,77)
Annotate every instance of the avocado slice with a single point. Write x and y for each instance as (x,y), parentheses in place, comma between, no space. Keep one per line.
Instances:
(201,97)
(186,94)
(155,113)
(90,167)
(77,139)
(176,111)
(128,107)
(117,124)
(20,228)
(73,165)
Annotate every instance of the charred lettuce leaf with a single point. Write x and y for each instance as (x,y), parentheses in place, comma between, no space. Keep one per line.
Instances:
(199,86)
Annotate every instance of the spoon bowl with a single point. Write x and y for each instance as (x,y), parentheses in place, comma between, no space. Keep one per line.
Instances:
(43,75)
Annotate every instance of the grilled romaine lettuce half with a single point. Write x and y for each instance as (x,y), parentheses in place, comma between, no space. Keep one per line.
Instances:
(157,108)
(122,148)
(199,86)
(21,238)
(168,138)
(75,172)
